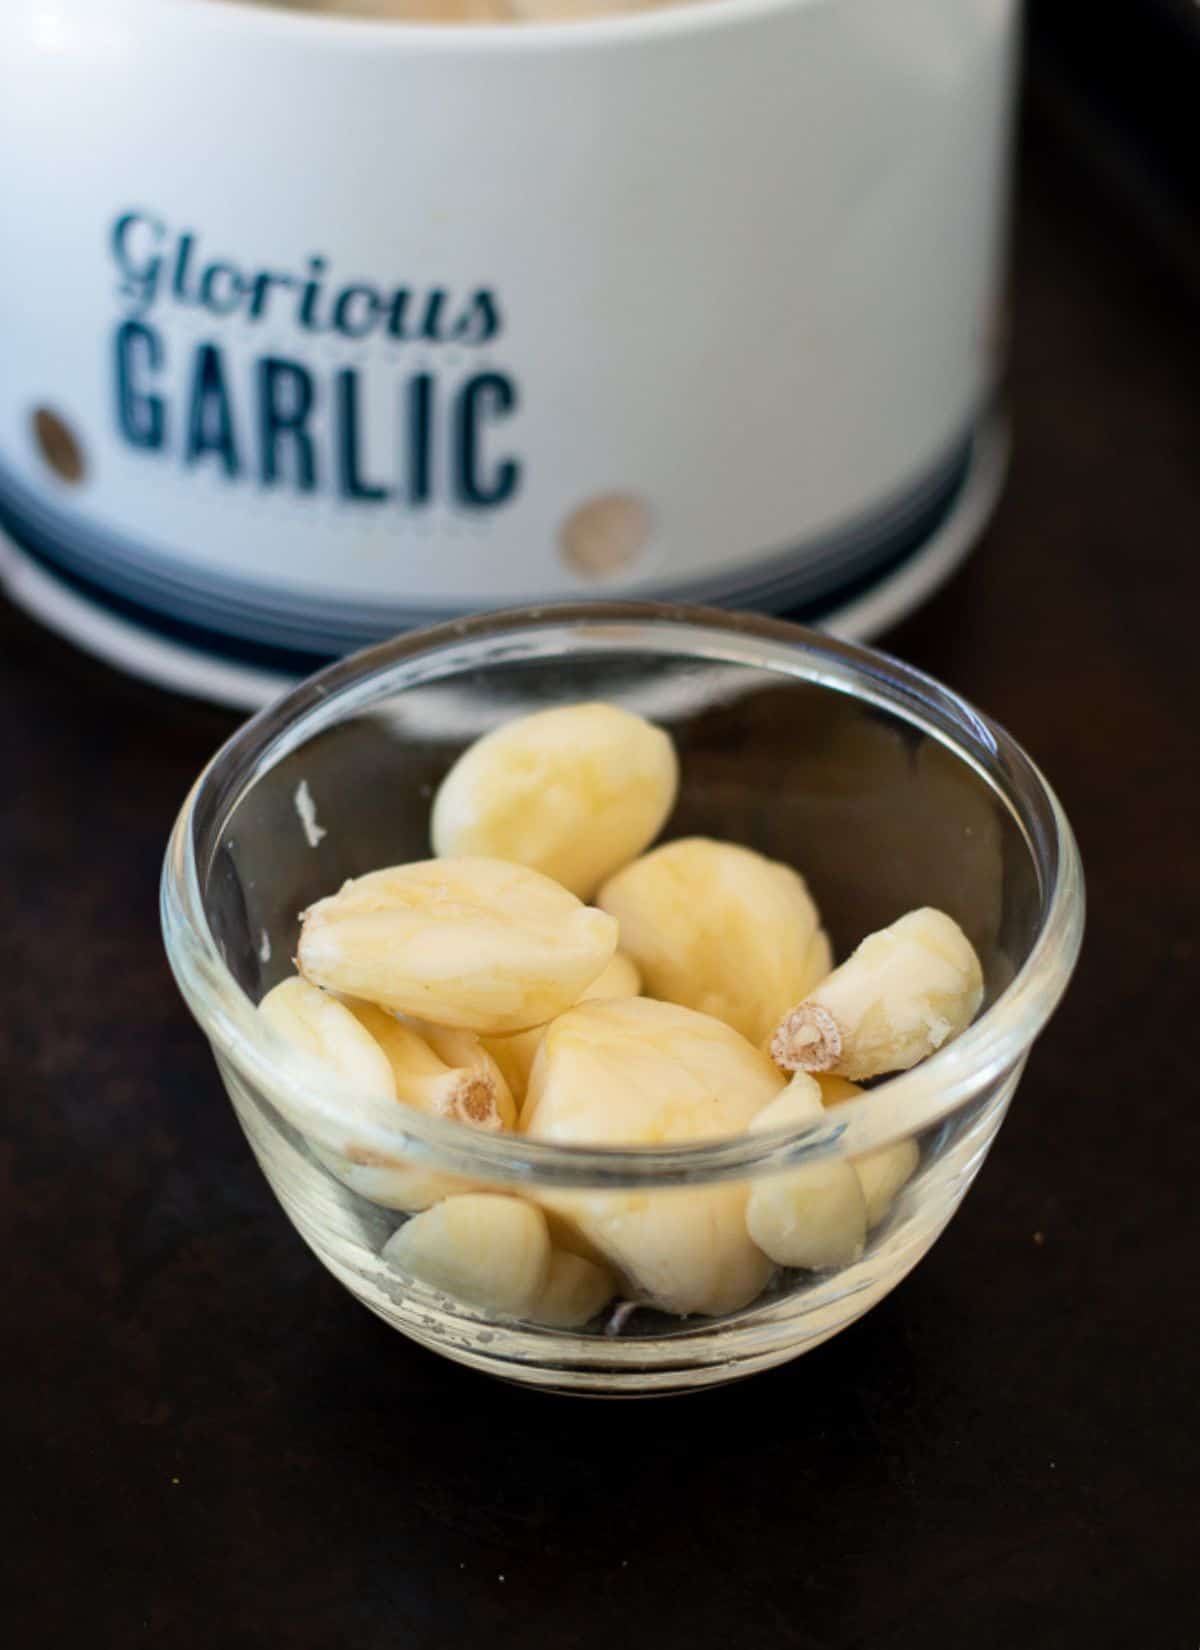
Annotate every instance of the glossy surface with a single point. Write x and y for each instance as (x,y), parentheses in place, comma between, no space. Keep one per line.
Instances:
(203,1425)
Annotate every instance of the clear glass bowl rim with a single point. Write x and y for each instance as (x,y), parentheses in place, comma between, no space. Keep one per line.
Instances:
(902,1106)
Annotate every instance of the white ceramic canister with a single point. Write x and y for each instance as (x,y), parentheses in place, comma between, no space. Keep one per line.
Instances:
(315,329)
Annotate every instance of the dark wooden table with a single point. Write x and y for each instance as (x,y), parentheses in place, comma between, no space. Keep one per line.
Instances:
(207,1443)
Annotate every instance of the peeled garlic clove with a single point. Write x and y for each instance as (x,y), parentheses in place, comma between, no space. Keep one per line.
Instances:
(451,1075)
(883,1173)
(576,1290)
(406,1187)
(484,1248)
(515,1055)
(680,1250)
(634,1071)
(329,1031)
(457,1079)
(574,792)
(474,943)
(619,979)
(800,1102)
(566,1235)
(836,1090)
(631,1072)
(465,1051)
(906,990)
(720,929)
(326,1030)
(815,1215)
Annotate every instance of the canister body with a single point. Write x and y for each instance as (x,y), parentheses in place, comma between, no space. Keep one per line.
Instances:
(315,329)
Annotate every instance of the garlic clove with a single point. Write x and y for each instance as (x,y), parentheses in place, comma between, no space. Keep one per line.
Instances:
(448,1073)
(633,1072)
(574,792)
(325,1029)
(905,991)
(576,1290)
(719,929)
(815,1215)
(484,1248)
(515,1055)
(471,943)
(882,1173)
(407,1187)
(340,1036)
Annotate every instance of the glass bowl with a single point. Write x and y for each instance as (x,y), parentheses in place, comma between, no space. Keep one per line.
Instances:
(887,791)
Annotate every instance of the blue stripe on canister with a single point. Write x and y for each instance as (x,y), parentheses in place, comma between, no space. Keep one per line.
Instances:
(293,633)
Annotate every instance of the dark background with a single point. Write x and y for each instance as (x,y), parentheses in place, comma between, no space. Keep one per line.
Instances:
(206,1442)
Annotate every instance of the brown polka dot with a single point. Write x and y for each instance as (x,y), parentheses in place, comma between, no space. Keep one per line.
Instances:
(605,535)
(58,445)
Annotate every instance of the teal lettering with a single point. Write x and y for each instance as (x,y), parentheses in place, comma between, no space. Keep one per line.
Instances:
(481,323)
(489,395)
(285,400)
(420,424)
(350,478)
(366,299)
(312,296)
(261,292)
(141,417)
(396,324)
(431,325)
(210,416)
(214,276)
(183,261)
(141,272)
